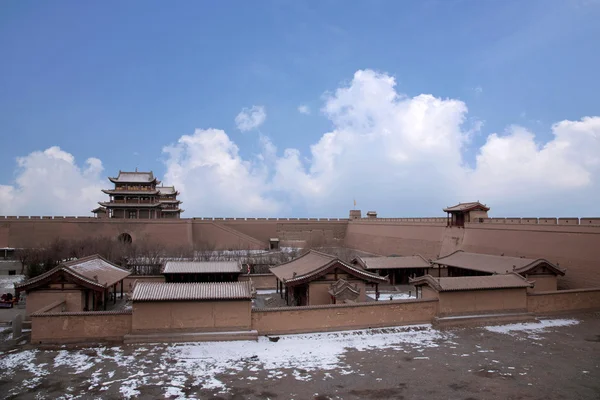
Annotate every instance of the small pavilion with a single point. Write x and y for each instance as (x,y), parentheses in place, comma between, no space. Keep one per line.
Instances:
(461,213)
(399,269)
(85,284)
(202,271)
(317,278)
(460,263)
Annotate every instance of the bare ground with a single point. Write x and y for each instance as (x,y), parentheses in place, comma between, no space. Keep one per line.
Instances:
(467,364)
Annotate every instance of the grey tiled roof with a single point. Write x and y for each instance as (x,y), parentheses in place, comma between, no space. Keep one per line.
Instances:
(134,177)
(158,291)
(467,207)
(201,267)
(313,264)
(494,264)
(393,262)
(508,281)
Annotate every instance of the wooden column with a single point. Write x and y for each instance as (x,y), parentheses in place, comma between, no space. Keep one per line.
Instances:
(115,293)
(104,296)
(121,288)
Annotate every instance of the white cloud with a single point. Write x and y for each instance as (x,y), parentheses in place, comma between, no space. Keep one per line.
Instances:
(49,182)
(250,118)
(214,180)
(478,90)
(404,156)
(304,109)
(396,154)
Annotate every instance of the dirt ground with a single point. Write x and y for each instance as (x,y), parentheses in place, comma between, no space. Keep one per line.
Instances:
(558,360)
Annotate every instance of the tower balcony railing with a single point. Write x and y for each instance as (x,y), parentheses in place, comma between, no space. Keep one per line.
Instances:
(135,188)
(135,201)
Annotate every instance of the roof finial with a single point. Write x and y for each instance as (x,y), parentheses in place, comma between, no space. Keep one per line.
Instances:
(135,169)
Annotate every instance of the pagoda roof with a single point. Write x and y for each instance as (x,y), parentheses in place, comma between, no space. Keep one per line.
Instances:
(167,190)
(135,177)
(99,209)
(464,207)
(171,210)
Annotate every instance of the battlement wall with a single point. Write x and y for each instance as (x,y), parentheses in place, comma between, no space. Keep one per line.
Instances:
(542,221)
(218,219)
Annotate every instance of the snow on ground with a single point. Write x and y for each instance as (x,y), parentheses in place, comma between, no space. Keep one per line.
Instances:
(390,296)
(531,328)
(310,352)
(7,282)
(175,366)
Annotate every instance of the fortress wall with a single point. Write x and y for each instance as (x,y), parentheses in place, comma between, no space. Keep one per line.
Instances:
(217,233)
(401,238)
(36,232)
(575,247)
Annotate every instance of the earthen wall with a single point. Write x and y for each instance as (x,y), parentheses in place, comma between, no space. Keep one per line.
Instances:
(80,327)
(191,316)
(342,317)
(564,300)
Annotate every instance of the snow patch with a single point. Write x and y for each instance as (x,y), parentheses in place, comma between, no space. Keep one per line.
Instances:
(531,327)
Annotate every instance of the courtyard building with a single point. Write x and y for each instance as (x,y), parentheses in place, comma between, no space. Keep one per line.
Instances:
(475,294)
(85,284)
(191,307)
(541,272)
(317,278)
(399,269)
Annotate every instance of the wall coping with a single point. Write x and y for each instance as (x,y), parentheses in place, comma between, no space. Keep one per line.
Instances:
(251,275)
(82,314)
(144,276)
(337,306)
(558,292)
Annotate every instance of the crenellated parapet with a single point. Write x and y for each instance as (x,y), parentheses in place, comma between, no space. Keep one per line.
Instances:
(541,221)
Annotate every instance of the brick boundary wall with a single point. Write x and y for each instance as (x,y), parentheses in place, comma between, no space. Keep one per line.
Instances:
(80,327)
(310,319)
(564,300)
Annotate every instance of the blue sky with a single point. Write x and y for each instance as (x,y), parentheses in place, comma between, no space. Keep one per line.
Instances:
(119,81)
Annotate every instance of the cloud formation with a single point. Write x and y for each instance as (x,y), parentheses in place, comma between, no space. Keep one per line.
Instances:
(250,118)
(399,155)
(304,109)
(49,182)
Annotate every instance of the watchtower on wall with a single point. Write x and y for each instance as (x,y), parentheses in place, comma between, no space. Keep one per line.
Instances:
(466,212)
(355,214)
(136,195)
